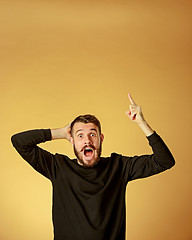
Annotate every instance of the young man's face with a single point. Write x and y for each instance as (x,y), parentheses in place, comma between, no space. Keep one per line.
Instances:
(87,143)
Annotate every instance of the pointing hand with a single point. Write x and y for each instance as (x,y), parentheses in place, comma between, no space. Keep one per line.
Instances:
(135,113)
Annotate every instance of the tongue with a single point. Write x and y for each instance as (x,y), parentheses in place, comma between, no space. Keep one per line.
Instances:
(88,153)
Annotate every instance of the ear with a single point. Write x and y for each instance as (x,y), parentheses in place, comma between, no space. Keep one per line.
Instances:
(101,137)
(71,140)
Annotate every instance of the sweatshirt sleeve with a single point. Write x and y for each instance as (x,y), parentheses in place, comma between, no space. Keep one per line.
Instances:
(148,165)
(26,145)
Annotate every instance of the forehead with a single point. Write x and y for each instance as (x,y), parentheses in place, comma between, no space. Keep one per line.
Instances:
(79,126)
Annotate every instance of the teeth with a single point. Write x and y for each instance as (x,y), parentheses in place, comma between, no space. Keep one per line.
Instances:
(90,149)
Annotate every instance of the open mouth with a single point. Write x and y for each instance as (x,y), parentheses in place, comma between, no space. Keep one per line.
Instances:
(88,152)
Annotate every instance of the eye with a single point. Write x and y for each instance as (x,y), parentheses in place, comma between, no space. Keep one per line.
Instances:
(80,135)
(93,134)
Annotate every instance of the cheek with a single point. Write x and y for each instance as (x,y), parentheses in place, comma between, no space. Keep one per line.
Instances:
(97,143)
(77,145)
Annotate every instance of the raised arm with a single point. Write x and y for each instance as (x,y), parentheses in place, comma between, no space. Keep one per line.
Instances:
(147,165)
(26,144)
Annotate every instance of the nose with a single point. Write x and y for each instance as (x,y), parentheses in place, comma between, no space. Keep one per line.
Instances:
(87,140)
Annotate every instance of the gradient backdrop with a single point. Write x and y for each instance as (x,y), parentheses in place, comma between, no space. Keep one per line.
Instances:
(63,58)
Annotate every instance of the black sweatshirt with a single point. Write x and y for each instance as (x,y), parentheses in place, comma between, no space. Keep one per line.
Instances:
(89,203)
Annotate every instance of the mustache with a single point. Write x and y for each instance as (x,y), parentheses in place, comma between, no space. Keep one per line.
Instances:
(90,145)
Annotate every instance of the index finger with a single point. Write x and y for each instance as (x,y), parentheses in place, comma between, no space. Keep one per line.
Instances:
(131,99)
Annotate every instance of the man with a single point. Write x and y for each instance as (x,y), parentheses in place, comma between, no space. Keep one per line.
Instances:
(89,192)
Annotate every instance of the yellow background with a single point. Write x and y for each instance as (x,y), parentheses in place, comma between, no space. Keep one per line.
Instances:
(63,58)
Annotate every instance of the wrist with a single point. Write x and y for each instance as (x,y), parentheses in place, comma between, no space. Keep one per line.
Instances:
(146,128)
(143,123)
(58,133)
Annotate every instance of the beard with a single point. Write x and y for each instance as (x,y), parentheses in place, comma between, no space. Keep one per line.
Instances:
(91,163)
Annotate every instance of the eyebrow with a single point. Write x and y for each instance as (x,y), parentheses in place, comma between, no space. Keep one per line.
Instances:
(92,129)
(79,130)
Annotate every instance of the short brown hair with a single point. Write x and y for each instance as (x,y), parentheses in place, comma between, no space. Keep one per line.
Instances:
(88,118)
